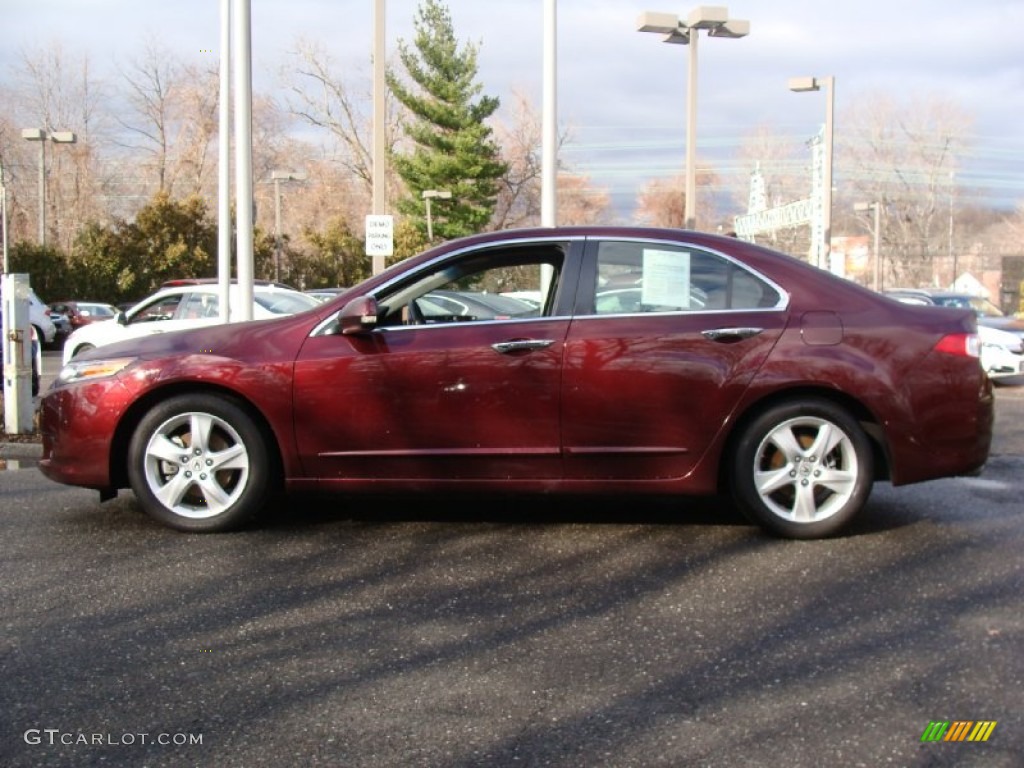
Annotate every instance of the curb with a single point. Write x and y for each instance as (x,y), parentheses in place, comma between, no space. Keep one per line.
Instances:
(21,450)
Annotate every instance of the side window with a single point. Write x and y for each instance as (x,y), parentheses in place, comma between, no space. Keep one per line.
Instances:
(652,277)
(505,284)
(160,309)
(200,306)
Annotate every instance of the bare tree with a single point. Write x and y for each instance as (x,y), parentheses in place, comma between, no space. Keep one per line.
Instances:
(579,202)
(662,202)
(905,156)
(55,91)
(321,98)
(518,201)
(154,109)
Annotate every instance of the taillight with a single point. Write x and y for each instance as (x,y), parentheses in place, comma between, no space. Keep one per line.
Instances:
(961,344)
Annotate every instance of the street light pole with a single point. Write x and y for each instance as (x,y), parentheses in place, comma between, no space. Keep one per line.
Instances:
(277,177)
(715,19)
(379,146)
(877,208)
(3,215)
(42,136)
(428,195)
(800,84)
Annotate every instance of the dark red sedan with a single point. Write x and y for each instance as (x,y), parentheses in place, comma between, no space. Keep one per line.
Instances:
(649,361)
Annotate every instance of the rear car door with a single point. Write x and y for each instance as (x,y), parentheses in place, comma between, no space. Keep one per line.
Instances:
(666,338)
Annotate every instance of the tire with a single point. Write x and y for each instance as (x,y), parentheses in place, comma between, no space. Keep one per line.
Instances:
(803,470)
(214,484)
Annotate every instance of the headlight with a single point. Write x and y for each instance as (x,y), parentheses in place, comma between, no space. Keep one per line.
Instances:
(92,369)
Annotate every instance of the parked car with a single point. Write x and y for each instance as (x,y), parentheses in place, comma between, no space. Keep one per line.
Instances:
(1002,352)
(39,316)
(791,388)
(81,313)
(988,313)
(62,325)
(190,305)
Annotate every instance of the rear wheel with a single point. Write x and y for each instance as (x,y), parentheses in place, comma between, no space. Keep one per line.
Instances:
(199,463)
(803,469)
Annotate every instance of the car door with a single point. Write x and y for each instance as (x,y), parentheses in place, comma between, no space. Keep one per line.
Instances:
(665,340)
(429,395)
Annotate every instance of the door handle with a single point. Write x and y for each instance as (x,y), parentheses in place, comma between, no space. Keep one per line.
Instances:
(521,345)
(730,335)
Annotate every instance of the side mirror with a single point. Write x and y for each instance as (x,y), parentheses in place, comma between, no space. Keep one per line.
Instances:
(358,316)
(121,318)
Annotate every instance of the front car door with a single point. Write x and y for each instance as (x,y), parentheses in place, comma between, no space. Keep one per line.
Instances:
(665,340)
(436,393)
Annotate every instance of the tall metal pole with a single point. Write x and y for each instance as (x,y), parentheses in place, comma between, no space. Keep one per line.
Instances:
(3,216)
(430,222)
(549,120)
(878,253)
(42,190)
(224,166)
(830,97)
(379,172)
(690,216)
(277,230)
(952,254)
(242,18)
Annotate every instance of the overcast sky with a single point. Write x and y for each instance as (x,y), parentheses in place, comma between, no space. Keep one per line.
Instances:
(622,94)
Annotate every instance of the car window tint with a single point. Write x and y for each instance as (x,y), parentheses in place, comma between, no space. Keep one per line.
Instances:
(478,287)
(651,277)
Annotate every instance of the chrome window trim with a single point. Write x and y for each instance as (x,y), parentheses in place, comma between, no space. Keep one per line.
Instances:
(781,306)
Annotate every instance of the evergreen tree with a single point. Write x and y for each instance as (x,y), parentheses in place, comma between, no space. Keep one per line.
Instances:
(453,148)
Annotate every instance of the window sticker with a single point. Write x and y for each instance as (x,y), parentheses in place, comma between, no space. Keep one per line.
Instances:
(666,278)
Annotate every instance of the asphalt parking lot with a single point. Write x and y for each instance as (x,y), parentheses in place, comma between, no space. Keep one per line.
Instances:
(425,631)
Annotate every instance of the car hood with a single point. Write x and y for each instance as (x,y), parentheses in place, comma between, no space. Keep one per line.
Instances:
(248,340)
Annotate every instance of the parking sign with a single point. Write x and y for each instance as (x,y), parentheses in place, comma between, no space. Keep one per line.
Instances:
(380,235)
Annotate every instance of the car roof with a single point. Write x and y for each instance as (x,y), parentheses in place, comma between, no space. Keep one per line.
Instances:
(216,281)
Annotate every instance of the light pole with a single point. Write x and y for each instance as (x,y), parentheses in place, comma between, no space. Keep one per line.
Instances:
(877,208)
(3,216)
(379,146)
(277,177)
(42,135)
(800,84)
(715,19)
(428,195)
(952,254)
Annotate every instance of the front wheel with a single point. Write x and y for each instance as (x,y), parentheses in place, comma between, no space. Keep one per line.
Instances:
(199,463)
(803,469)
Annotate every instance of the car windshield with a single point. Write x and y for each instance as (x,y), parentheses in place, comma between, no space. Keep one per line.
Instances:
(285,303)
